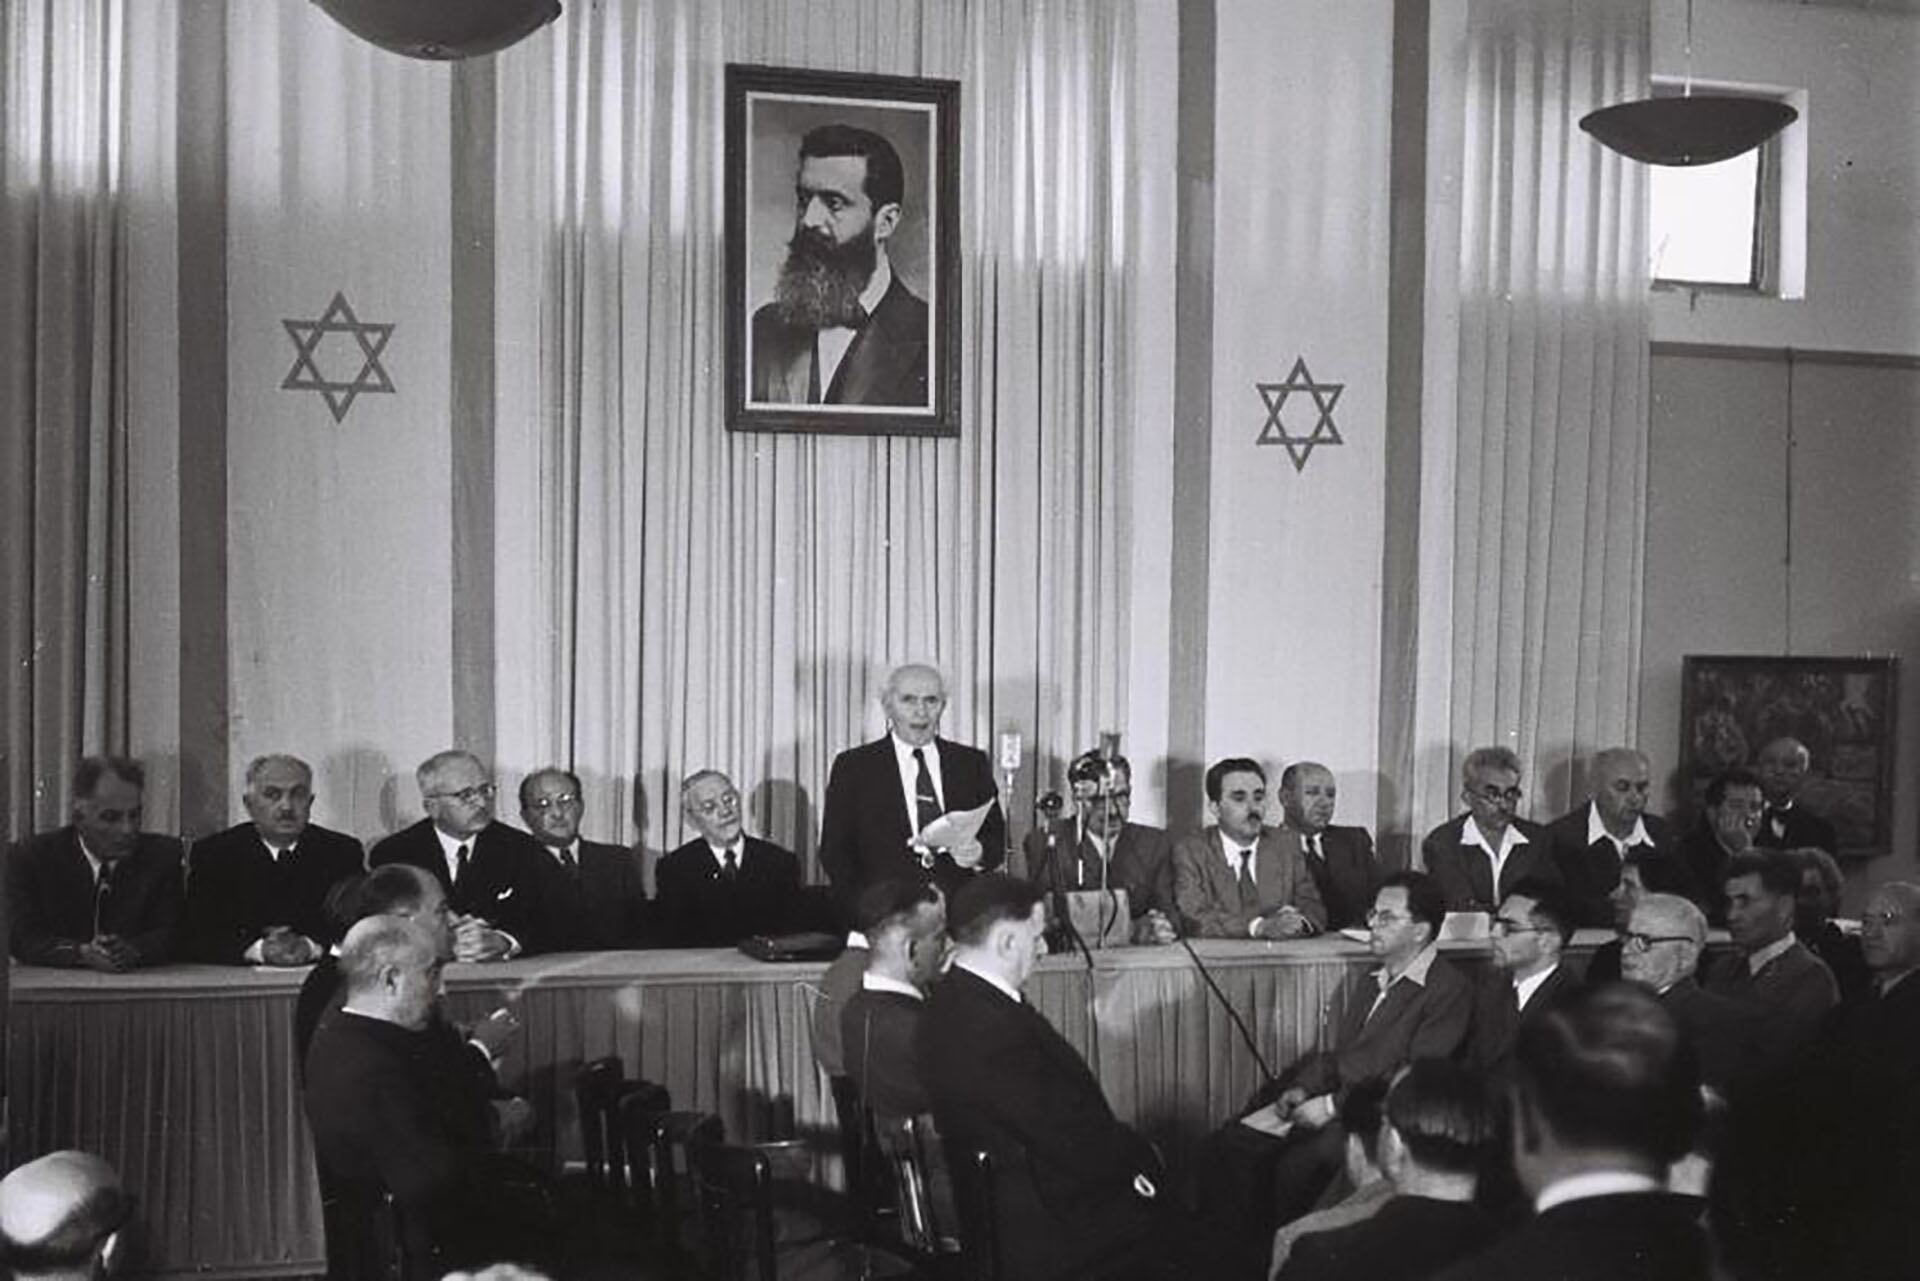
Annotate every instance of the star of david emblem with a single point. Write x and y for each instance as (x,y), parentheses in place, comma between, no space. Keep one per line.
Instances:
(1325,396)
(305,375)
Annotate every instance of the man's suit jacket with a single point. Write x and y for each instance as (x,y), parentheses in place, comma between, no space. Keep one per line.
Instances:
(1802,828)
(1142,864)
(1497,1021)
(1347,874)
(886,364)
(1638,1236)
(1001,1079)
(501,884)
(1841,952)
(1705,859)
(235,890)
(601,907)
(1414,1021)
(1591,870)
(1794,992)
(865,828)
(51,893)
(1464,873)
(878,1031)
(1721,1031)
(697,907)
(1406,1239)
(1207,890)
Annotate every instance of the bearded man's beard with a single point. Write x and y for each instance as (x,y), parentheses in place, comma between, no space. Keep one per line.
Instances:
(821,281)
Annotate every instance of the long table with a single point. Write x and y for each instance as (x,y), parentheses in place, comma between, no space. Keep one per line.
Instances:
(184,1079)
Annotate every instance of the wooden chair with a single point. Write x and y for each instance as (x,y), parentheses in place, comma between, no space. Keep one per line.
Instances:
(927,1221)
(869,1188)
(734,1190)
(596,1089)
(668,1173)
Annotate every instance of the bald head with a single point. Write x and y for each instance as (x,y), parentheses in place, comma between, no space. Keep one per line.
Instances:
(392,968)
(59,1215)
(1890,931)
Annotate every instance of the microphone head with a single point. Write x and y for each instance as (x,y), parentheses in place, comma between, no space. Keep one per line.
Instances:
(1050,804)
(1011,752)
(1109,745)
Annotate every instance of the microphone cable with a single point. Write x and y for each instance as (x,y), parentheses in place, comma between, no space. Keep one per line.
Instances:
(1268,1079)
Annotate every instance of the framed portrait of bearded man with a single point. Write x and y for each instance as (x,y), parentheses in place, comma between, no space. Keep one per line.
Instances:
(842,253)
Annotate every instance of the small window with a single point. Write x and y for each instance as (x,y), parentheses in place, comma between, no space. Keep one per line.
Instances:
(1737,226)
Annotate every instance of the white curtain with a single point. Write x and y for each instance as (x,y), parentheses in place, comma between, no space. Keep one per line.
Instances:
(672,596)
(1533,479)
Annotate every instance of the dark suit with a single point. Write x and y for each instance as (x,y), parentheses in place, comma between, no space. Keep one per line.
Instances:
(1141,864)
(1404,1240)
(1414,1021)
(886,364)
(1002,1079)
(1842,954)
(878,1030)
(51,897)
(501,884)
(1497,1020)
(865,829)
(1639,1236)
(1464,873)
(1347,873)
(1794,993)
(1705,859)
(599,907)
(1207,890)
(698,907)
(1721,1031)
(1800,827)
(236,889)
(1591,870)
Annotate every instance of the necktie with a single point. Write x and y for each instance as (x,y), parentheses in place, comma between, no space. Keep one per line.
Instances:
(926,801)
(570,862)
(459,864)
(729,866)
(1249,892)
(102,892)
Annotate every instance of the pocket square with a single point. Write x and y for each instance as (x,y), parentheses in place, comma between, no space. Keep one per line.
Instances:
(504,895)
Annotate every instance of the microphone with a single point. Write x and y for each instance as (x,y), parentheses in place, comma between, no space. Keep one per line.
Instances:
(1050,806)
(1011,752)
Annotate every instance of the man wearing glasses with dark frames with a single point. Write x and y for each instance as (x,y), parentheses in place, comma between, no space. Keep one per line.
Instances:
(1478,857)
(1532,927)
(1660,950)
(1137,858)
(491,872)
(591,897)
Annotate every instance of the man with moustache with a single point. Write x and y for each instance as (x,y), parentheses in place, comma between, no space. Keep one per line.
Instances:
(1339,858)
(1591,841)
(1097,846)
(590,893)
(882,794)
(1478,857)
(98,893)
(1237,879)
(258,892)
(723,885)
(843,328)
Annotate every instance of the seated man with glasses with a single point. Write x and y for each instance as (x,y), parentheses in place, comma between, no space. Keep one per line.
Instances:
(1476,858)
(591,898)
(723,885)
(1097,847)
(1533,926)
(490,872)
(1660,951)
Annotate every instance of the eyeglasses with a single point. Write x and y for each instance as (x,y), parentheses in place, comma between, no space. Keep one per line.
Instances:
(1377,917)
(466,795)
(1501,925)
(1494,795)
(1883,918)
(541,804)
(1645,942)
(721,803)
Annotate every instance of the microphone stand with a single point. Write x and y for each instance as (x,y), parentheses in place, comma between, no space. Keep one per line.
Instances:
(1048,806)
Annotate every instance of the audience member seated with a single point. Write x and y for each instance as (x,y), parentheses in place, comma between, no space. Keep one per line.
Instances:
(1785,823)
(1605,1098)
(1238,879)
(1360,1121)
(1476,858)
(837,987)
(399,889)
(880,1023)
(591,897)
(1664,941)
(1814,923)
(384,1118)
(1273,1164)
(490,872)
(1076,1193)
(1724,829)
(1098,847)
(1339,858)
(1650,874)
(722,886)
(1439,1127)
(258,891)
(63,1217)
(1772,971)
(1531,929)
(98,893)
(1592,841)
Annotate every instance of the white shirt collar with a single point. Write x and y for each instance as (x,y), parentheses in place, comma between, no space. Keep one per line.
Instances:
(1525,988)
(1231,849)
(739,848)
(1596,830)
(1760,960)
(903,751)
(856,939)
(1472,835)
(1012,992)
(558,851)
(450,846)
(94,861)
(871,982)
(1416,970)
(1580,1187)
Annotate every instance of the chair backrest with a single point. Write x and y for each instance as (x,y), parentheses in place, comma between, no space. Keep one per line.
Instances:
(869,1185)
(595,1086)
(735,1190)
(669,1163)
(972,1170)
(926,1224)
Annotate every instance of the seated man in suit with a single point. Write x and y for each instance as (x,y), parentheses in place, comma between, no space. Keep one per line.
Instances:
(1098,847)
(1662,946)
(1605,1098)
(384,1118)
(1076,1193)
(882,794)
(1591,841)
(63,1217)
(723,885)
(591,893)
(1814,922)
(1340,859)
(1439,1128)
(490,872)
(1772,971)
(1532,927)
(1360,1121)
(99,893)
(1238,879)
(907,935)
(1477,857)
(1786,824)
(1725,828)
(258,892)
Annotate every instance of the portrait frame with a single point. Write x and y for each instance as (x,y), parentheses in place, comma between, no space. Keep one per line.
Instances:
(770,358)
(1843,709)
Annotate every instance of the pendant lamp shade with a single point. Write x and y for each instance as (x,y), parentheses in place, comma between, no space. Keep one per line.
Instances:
(442,30)
(1697,130)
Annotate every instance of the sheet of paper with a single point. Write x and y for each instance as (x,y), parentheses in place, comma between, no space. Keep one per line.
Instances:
(1267,1121)
(956,827)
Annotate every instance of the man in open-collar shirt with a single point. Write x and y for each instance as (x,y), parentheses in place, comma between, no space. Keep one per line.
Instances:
(1478,857)
(1593,840)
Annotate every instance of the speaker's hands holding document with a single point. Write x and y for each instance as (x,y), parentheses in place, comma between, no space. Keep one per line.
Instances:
(957,832)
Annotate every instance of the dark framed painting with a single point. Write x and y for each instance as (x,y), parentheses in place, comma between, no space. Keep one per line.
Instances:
(842,253)
(1732,706)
